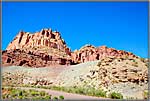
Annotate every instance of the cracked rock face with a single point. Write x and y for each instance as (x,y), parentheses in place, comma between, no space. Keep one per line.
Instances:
(43,38)
(41,49)
(32,59)
(46,48)
(91,53)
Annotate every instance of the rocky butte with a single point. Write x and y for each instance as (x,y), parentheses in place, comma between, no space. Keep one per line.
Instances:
(44,48)
(47,48)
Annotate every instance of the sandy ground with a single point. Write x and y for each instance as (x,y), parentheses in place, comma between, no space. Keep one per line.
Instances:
(49,73)
(81,75)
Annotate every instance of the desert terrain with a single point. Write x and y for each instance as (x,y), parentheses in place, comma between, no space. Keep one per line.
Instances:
(42,61)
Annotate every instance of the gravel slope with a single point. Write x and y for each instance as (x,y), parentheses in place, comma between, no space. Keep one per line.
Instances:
(119,75)
(126,76)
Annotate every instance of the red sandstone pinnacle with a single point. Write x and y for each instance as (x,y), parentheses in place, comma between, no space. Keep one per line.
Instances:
(45,38)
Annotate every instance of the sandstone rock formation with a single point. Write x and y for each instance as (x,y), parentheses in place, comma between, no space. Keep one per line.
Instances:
(44,48)
(91,53)
(19,57)
(97,67)
(41,48)
(47,38)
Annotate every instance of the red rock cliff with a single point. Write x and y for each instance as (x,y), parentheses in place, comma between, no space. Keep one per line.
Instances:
(46,48)
(45,38)
(91,53)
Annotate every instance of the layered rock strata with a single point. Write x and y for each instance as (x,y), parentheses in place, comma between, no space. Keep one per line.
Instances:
(46,48)
(91,53)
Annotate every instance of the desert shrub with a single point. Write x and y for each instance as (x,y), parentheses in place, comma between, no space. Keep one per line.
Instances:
(62,88)
(48,97)
(146,64)
(100,93)
(61,97)
(36,97)
(42,93)
(91,91)
(20,97)
(145,94)
(94,92)
(142,59)
(79,90)
(20,93)
(55,98)
(133,60)
(86,91)
(126,57)
(34,93)
(115,95)
(99,64)
(55,88)
(14,93)
(135,64)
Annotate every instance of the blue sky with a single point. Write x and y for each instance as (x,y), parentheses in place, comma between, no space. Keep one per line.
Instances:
(120,25)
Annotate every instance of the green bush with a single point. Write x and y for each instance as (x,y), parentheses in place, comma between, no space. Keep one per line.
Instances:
(100,93)
(42,93)
(20,97)
(61,97)
(55,98)
(79,90)
(145,94)
(133,60)
(84,91)
(34,93)
(48,97)
(142,59)
(20,93)
(115,95)
(99,64)
(24,94)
